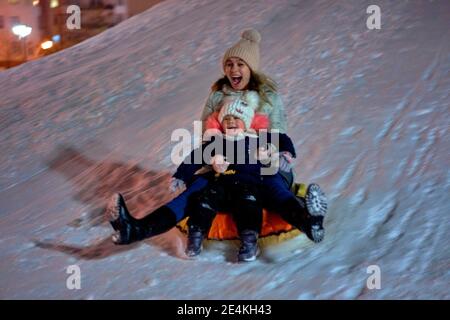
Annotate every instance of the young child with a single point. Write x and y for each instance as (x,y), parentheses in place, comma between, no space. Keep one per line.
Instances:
(236,182)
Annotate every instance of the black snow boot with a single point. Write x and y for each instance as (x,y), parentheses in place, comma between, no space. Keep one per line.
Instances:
(120,219)
(195,240)
(316,204)
(249,246)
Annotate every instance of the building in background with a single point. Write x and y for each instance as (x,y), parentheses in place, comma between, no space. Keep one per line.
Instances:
(48,21)
(12,49)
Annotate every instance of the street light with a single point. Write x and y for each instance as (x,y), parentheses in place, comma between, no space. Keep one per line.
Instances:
(22,31)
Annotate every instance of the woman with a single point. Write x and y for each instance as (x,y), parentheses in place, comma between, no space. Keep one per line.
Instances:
(241,74)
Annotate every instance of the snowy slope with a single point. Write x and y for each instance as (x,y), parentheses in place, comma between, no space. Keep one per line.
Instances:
(368,111)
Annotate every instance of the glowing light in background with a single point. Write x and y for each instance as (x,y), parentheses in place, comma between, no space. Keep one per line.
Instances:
(47,44)
(56,38)
(21,30)
(54,3)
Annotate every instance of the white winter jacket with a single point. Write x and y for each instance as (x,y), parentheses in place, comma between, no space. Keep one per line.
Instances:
(275,111)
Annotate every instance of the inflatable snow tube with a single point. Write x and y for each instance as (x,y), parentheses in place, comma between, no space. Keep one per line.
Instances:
(274,228)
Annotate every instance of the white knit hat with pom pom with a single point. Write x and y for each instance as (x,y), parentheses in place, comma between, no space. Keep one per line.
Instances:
(246,49)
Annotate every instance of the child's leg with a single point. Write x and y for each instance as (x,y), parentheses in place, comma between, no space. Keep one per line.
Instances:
(204,207)
(247,207)
(204,210)
(247,214)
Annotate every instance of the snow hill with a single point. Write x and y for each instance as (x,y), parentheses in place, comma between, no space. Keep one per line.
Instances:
(368,111)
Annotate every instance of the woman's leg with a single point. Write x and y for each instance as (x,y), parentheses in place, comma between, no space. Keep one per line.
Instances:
(129,229)
(179,204)
(305,215)
(275,192)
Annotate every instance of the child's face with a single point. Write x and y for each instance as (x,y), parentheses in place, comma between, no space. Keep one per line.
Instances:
(238,73)
(232,125)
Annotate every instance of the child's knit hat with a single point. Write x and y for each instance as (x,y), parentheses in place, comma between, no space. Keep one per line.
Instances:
(246,49)
(242,107)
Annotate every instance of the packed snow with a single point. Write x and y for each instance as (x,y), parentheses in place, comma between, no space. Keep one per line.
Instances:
(368,111)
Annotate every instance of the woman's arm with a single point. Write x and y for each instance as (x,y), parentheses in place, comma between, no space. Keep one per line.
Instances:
(286,145)
(210,106)
(277,115)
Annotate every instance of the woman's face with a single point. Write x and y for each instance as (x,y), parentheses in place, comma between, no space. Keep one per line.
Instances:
(237,72)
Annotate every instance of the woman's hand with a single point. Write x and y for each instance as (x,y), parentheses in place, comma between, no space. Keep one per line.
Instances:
(286,161)
(269,154)
(219,163)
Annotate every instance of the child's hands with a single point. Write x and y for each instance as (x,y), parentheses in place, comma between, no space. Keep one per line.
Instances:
(219,163)
(176,184)
(265,153)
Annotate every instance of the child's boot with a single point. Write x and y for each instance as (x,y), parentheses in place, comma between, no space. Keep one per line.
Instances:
(249,246)
(195,240)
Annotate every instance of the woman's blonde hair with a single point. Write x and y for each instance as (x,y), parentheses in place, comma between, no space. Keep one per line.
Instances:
(259,82)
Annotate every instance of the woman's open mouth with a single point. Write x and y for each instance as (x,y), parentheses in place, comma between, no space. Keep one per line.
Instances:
(235,81)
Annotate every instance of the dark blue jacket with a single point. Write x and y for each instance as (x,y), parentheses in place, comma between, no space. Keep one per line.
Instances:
(240,153)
